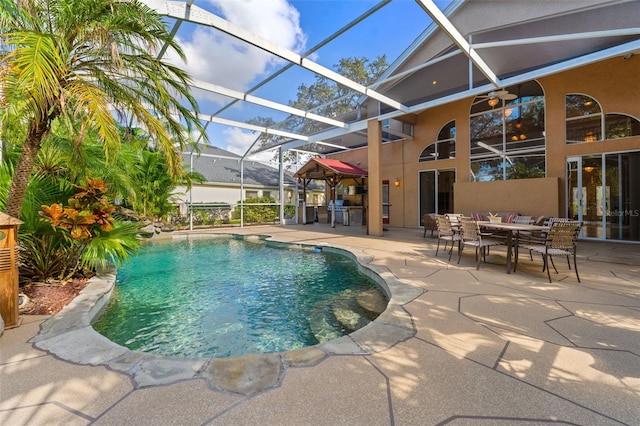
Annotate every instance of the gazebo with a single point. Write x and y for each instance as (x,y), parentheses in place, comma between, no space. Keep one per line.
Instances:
(332,172)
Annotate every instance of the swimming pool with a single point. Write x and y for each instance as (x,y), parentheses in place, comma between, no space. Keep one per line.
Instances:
(225,297)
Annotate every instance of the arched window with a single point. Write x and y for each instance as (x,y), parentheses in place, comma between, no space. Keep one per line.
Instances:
(444,147)
(620,126)
(586,122)
(584,119)
(507,130)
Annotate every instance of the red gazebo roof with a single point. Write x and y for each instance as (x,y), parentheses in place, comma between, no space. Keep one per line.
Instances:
(321,168)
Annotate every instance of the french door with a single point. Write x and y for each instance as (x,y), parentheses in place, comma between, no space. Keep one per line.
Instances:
(603,191)
(385,202)
(436,192)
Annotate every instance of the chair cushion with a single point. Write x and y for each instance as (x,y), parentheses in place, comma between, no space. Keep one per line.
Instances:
(477,216)
(511,217)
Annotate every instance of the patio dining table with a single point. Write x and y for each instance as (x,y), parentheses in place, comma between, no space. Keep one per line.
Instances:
(511,228)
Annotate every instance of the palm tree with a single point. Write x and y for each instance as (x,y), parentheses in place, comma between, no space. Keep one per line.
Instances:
(90,61)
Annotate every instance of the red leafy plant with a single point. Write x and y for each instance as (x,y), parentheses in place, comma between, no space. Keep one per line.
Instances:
(88,211)
(56,250)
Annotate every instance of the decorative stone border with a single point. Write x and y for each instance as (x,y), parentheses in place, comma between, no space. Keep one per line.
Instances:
(69,336)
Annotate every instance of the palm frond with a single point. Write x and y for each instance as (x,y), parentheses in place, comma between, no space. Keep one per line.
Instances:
(115,246)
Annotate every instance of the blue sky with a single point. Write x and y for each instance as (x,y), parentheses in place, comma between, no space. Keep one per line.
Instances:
(298,26)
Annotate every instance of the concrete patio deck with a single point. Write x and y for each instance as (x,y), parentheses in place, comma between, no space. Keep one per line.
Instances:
(485,348)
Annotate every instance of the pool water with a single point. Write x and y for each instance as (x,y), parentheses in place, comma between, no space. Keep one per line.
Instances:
(225,297)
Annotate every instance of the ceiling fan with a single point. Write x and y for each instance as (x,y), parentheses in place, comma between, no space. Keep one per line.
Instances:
(495,96)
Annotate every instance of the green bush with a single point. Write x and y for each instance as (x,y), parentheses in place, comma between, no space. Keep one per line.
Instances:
(81,235)
(268,212)
(289,210)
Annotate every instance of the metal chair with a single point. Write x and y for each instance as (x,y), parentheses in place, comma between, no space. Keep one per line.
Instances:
(454,219)
(430,224)
(446,233)
(539,237)
(559,241)
(526,220)
(472,236)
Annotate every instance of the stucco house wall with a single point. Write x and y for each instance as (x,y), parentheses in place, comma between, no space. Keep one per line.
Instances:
(614,83)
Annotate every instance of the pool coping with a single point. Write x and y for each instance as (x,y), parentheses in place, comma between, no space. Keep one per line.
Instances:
(70,336)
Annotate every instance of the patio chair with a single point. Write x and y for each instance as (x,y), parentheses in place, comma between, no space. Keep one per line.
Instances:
(472,236)
(430,224)
(446,233)
(539,237)
(454,218)
(559,241)
(527,220)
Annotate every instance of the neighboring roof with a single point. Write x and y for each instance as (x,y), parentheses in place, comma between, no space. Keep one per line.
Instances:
(321,168)
(223,167)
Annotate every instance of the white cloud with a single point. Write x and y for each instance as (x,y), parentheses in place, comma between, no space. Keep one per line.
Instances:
(239,141)
(221,59)
(275,20)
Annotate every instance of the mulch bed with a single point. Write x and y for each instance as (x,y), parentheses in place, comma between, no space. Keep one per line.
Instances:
(49,299)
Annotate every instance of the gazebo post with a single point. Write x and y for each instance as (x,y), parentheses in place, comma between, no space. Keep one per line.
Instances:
(305,182)
(332,201)
(9,309)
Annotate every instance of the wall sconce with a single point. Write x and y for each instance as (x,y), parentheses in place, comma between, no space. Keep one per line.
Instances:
(397,183)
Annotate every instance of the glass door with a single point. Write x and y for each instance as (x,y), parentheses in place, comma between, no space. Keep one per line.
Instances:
(596,197)
(385,201)
(584,194)
(622,194)
(436,192)
(603,191)
(575,191)
(427,194)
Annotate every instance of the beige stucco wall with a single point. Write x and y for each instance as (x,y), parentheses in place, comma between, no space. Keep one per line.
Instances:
(529,197)
(614,83)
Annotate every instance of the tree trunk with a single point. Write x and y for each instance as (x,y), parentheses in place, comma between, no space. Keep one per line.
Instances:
(24,168)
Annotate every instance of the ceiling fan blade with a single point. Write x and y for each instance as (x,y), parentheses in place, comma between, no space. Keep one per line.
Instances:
(508,97)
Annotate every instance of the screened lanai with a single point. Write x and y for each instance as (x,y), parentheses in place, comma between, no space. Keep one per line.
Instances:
(463,49)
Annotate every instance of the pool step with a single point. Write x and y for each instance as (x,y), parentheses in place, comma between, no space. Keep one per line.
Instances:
(344,313)
(323,324)
(372,301)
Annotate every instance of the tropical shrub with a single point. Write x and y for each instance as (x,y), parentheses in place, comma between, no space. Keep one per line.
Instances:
(83,235)
(289,210)
(90,62)
(267,211)
(155,185)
